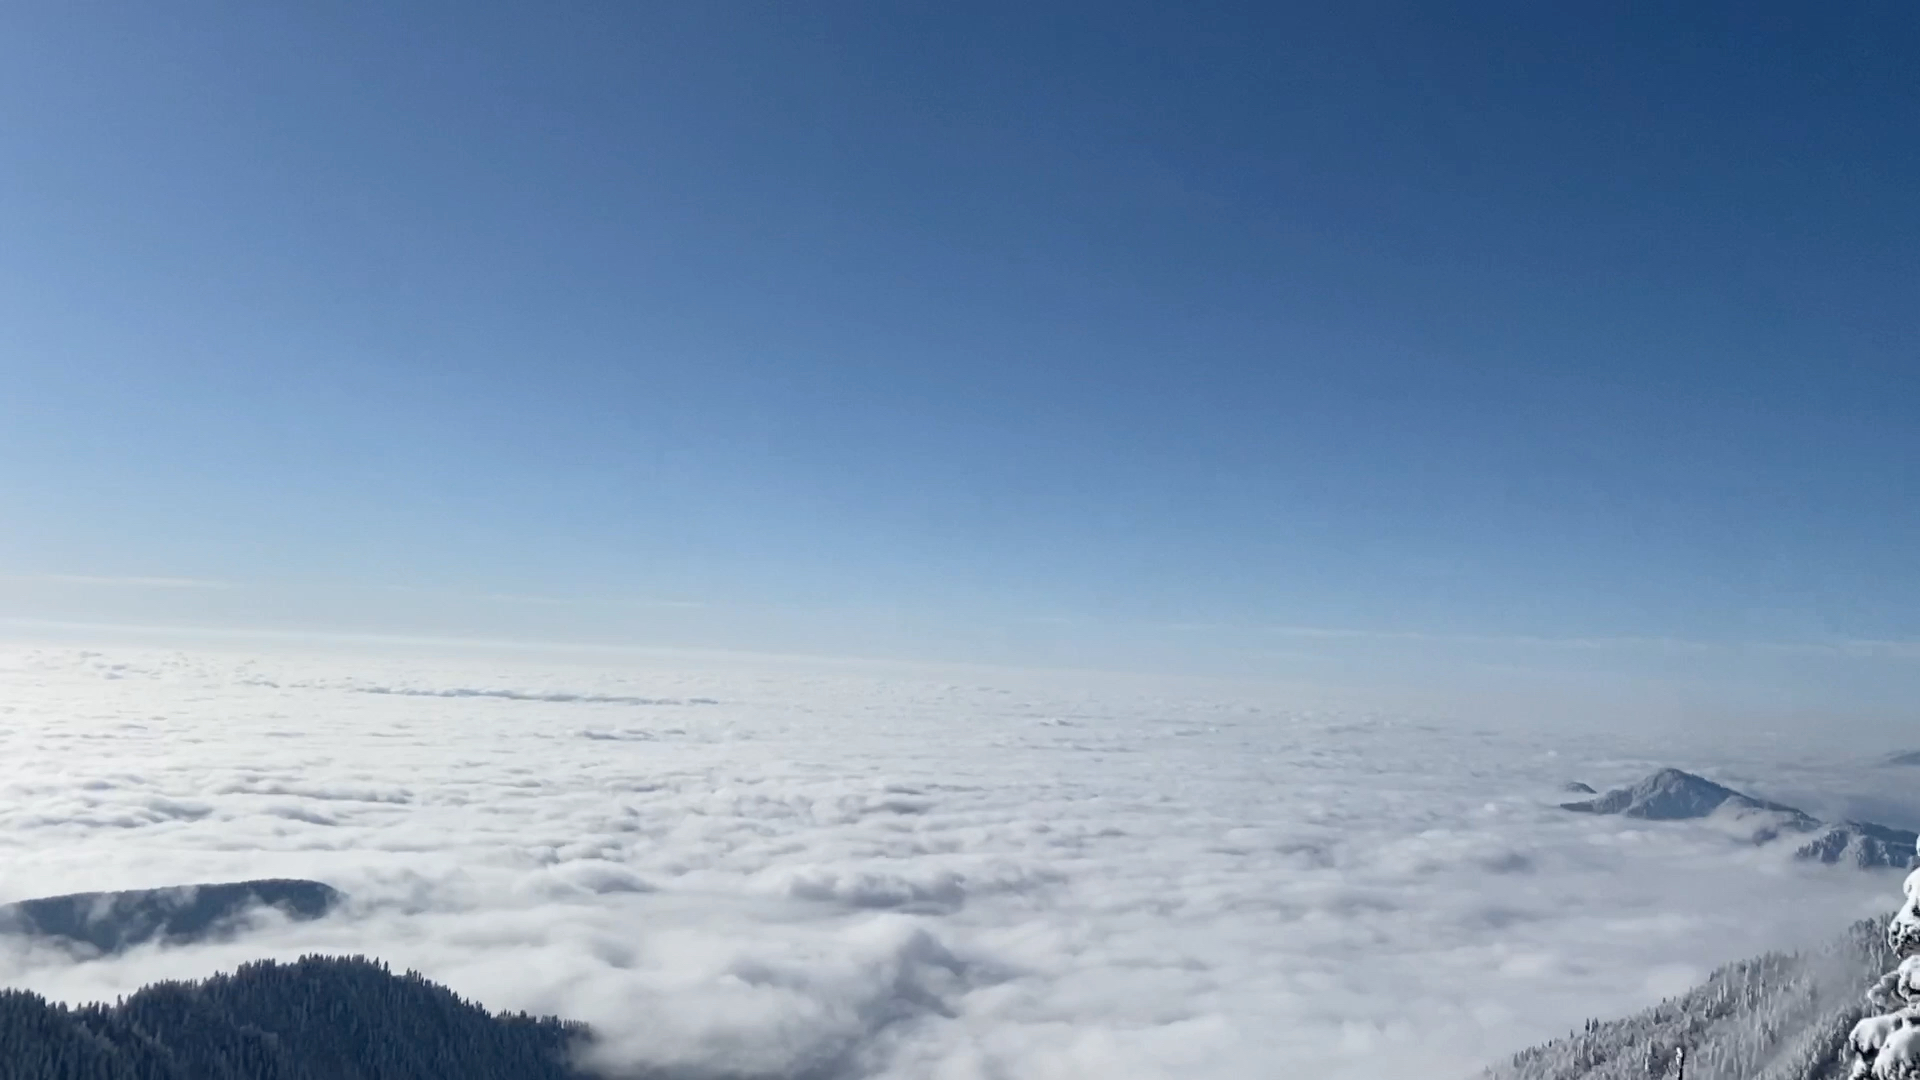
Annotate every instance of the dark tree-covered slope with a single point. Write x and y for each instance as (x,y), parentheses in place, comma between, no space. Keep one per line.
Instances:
(111,921)
(1775,1017)
(320,1018)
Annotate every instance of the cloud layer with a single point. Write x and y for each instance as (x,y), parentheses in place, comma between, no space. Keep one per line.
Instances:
(781,871)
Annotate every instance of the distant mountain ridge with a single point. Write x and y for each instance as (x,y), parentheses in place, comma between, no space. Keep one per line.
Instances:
(114,921)
(1676,795)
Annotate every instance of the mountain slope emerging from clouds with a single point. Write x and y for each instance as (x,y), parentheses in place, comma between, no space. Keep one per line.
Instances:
(1775,1017)
(113,921)
(315,1019)
(1674,795)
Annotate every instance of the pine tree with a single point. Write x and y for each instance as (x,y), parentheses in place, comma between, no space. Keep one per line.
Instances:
(320,1018)
(1887,1046)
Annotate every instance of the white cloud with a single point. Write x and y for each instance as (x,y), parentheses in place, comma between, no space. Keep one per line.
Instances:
(952,876)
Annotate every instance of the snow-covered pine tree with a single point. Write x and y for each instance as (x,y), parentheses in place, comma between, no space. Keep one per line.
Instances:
(1887,1047)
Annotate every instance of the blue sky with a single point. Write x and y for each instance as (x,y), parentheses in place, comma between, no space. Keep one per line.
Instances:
(1103,333)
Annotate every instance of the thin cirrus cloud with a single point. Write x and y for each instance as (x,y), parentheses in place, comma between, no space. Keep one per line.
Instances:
(1839,647)
(540,600)
(122,581)
(291,602)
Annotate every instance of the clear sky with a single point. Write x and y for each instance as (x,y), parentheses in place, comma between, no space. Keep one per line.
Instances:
(1202,335)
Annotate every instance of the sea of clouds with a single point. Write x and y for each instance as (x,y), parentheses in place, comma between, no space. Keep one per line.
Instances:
(785,869)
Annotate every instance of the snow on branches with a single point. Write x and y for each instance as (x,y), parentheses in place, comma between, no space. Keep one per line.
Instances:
(1887,1047)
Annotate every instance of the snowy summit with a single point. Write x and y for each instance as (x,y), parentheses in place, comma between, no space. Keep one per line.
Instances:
(1676,795)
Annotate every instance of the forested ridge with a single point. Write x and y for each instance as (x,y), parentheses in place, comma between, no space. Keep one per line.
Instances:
(1775,1017)
(112,921)
(319,1018)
